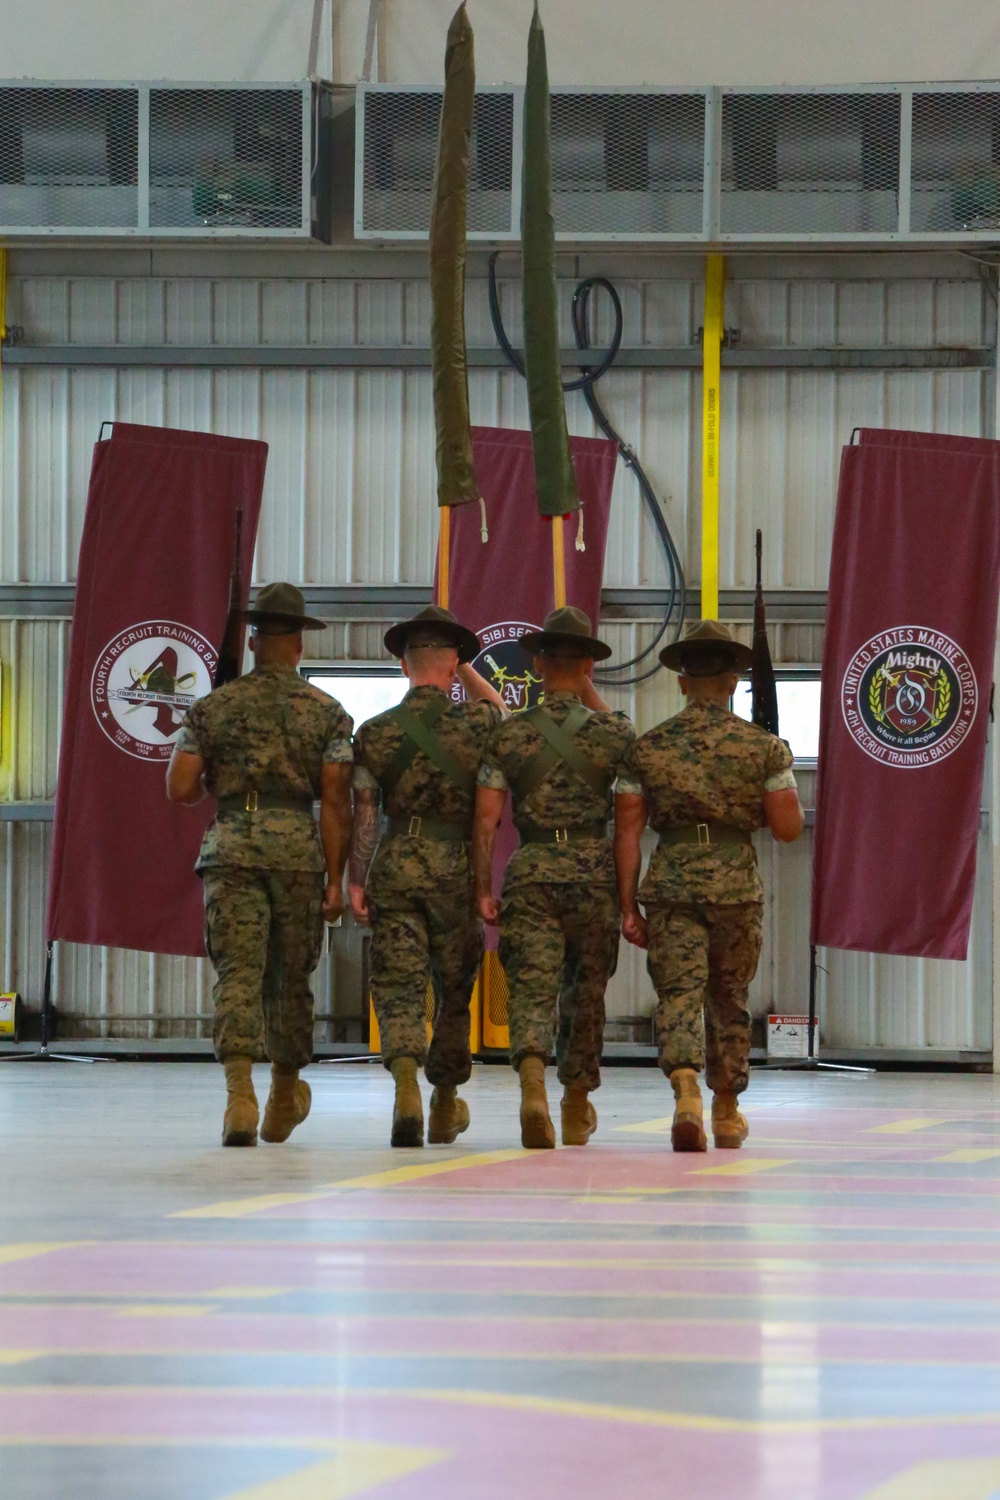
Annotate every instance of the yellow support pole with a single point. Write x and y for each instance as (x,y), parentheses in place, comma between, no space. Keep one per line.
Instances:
(559,561)
(444,557)
(715,284)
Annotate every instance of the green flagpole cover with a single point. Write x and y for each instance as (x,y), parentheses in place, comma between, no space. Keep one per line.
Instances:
(456,472)
(555,482)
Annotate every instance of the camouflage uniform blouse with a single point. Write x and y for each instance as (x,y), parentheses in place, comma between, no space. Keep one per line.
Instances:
(705,765)
(423,790)
(269,731)
(563,799)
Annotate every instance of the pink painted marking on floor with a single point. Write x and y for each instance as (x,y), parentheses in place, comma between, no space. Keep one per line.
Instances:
(82,1329)
(193,1269)
(494,1453)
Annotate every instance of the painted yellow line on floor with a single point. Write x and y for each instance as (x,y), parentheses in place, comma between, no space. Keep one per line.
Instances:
(660,1126)
(904,1127)
(958,1478)
(970,1154)
(164,1310)
(238,1208)
(747,1166)
(11,1253)
(351,1472)
(20,1356)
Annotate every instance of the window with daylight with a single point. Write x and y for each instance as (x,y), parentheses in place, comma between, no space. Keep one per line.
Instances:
(365,688)
(798,708)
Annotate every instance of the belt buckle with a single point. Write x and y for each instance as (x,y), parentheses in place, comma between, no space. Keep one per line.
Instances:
(703,834)
(562,835)
(414,829)
(250,802)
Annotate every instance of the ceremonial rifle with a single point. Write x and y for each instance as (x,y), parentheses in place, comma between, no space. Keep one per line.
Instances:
(230,664)
(763,689)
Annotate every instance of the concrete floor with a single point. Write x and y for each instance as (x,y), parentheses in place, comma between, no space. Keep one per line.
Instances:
(815,1316)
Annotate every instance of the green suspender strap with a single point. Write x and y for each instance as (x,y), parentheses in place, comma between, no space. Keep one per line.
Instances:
(419,736)
(561,746)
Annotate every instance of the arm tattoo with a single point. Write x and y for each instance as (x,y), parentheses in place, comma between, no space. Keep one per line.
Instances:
(364,837)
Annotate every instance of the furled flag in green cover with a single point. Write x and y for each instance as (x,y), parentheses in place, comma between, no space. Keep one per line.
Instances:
(763,688)
(456,472)
(555,481)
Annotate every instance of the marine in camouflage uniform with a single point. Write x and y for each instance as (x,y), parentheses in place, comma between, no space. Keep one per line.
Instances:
(261,746)
(417,893)
(704,776)
(559,927)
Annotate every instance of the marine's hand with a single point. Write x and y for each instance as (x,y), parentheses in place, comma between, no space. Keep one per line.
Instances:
(359,905)
(635,929)
(333,902)
(489,909)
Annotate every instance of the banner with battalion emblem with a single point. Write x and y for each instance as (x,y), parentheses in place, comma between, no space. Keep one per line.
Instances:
(506,586)
(907,672)
(152,599)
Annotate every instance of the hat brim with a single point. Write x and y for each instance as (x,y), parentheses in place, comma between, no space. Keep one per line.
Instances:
(465,642)
(742,656)
(275,617)
(535,641)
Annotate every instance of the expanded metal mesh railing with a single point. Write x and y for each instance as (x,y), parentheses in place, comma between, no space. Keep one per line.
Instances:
(161,159)
(869,163)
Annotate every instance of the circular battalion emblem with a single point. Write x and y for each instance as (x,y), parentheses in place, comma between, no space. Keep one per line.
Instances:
(144,682)
(506,666)
(909,697)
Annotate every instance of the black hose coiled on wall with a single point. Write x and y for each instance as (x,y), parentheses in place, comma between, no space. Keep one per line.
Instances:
(585,382)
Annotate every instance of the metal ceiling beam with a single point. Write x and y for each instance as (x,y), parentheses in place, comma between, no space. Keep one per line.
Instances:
(353,357)
(348,602)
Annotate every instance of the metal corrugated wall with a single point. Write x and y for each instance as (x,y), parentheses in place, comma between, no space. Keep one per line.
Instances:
(350,499)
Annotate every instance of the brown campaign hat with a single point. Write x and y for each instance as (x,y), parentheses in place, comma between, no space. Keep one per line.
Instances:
(707,650)
(282,604)
(568,626)
(439,626)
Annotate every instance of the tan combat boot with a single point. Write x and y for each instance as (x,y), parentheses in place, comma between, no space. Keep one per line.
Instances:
(239,1125)
(537,1131)
(688,1131)
(729,1128)
(449,1116)
(288,1103)
(579,1117)
(408,1109)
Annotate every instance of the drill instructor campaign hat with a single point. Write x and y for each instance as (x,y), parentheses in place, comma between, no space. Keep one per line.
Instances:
(707,650)
(439,627)
(282,604)
(568,626)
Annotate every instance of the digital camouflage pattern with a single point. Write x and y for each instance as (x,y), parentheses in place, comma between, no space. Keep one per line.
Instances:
(701,961)
(558,942)
(420,890)
(703,902)
(271,732)
(705,765)
(264,935)
(559,919)
(564,799)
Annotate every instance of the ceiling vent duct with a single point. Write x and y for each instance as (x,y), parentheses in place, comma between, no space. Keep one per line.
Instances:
(172,160)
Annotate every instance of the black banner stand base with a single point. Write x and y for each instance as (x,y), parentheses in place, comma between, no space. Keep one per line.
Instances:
(811,1063)
(44,1054)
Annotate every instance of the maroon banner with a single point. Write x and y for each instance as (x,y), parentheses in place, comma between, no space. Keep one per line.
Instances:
(907,670)
(152,600)
(506,586)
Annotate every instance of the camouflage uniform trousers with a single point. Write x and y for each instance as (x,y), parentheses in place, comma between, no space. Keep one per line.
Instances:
(559,948)
(264,935)
(426,936)
(701,961)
